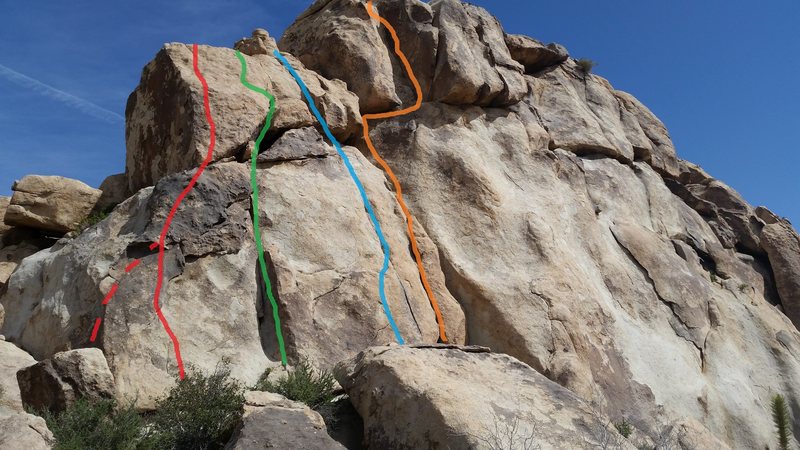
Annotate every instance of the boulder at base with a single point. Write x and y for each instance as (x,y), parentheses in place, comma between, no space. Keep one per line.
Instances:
(49,203)
(463,397)
(273,421)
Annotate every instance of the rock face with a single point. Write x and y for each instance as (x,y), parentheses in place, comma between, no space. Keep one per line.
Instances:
(451,397)
(12,359)
(555,221)
(166,134)
(584,227)
(273,421)
(50,203)
(57,382)
(783,248)
(55,295)
(327,274)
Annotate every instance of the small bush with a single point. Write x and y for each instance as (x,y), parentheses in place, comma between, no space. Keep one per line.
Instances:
(586,65)
(624,428)
(90,221)
(510,435)
(95,425)
(200,412)
(303,384)
(782,421)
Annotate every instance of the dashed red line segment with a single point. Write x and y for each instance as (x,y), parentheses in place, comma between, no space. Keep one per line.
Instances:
(96,328)
(98,321)
(111,293)
(132,265)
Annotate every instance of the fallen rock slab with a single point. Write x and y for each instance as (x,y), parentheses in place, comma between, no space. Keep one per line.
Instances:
(273,421)
(57,382)
(463,397)
(50,203)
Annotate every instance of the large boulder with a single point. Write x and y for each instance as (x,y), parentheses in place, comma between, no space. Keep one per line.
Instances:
(4,202)
(457,52)
(451,397)
(338,40)
(273,421)
(50,203)
(12,359)
(582,113)
(473,65)
(114,191)
(625,288)
(10,257)
(733,220)
(57,382)
(534,55)
(20,430)
(166,127)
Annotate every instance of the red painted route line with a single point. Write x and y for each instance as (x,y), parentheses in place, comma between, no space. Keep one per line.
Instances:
(96,327)
(163,237)
(108,297)
(132,265)
(111,293)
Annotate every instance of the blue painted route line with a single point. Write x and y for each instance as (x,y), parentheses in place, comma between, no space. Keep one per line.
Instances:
(364,198)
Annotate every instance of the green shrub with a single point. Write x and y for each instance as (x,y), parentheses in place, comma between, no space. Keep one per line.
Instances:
(782,420)
(303,384)
(200,412)
(90,221)
(624,428)
(95,425)
(586,65)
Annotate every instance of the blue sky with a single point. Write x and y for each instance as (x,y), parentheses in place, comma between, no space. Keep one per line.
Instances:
(721,74)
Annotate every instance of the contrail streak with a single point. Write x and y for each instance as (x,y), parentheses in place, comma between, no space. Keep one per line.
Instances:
(80,104)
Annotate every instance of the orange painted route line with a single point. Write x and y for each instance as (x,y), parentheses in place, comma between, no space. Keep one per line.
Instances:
(398,189)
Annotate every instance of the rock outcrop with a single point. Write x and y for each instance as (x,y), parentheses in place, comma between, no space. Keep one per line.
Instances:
(166,134)
(556,223)
(49,203)
(114,191)
(534,55)
(273,421)
(55,383)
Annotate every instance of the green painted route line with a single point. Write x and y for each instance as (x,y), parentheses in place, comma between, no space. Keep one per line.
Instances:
(256,230)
